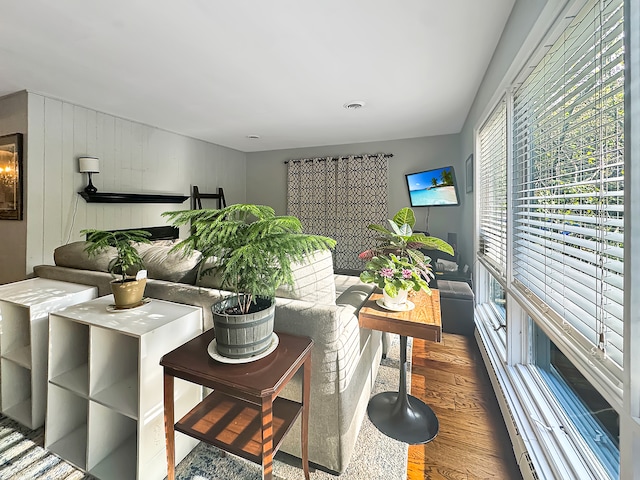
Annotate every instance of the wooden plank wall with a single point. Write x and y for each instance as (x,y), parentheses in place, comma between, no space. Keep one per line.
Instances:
(134,158)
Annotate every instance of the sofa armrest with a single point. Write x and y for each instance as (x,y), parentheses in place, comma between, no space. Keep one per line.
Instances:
(323,323)
(318,322)
(333,328)
(354,297)
(102,280)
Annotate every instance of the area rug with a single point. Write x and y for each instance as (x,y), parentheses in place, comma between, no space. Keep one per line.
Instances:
(376,456)
(23,458)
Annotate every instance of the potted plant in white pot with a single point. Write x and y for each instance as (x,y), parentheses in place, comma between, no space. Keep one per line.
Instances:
(252,250)
(128,289)
(396,276)
(397,265)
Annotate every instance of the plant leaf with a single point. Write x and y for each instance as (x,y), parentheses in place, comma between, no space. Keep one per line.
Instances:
(405,230)
(405,216)
(379,228)
(433,243)
(395,227)
(127,256)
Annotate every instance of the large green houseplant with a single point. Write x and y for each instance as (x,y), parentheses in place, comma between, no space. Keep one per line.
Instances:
(252,251)
(128,291)
(397,263)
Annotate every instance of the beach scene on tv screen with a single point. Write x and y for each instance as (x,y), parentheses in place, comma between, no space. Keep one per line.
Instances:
(434,187)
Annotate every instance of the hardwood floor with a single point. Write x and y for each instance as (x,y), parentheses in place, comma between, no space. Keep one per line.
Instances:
(473,442)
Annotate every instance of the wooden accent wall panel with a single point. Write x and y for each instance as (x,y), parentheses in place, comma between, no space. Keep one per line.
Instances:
(134,158)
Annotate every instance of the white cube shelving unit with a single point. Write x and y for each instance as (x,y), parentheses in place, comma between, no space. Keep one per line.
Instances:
(24,317)
(105,409)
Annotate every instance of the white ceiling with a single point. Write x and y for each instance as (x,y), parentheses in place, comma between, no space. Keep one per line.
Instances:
(281,69)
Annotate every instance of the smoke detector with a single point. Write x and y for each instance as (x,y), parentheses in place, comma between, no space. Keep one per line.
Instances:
(353,105)
(253,137)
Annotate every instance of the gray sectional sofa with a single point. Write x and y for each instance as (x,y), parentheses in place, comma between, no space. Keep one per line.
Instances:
(320,305)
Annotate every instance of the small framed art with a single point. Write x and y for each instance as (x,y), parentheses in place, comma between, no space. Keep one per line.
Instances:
(11,177)
(469,174)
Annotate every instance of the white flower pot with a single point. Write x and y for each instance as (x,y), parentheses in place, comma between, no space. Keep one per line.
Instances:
(395,302)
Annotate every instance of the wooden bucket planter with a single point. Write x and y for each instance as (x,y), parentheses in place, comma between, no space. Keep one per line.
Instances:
(242,336)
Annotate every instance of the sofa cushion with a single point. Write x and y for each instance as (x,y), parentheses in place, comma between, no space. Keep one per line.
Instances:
(174,266)
(213,279)
(313,280)
(160,262)
(73,255)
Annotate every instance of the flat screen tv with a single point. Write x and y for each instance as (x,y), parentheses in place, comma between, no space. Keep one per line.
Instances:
(433,188)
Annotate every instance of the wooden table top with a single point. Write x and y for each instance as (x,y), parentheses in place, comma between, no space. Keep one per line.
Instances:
(259,378)
(424,321)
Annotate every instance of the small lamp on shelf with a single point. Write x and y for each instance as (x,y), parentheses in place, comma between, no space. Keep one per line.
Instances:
(89,165)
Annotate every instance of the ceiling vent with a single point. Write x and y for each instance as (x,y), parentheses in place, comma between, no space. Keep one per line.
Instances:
(353,105)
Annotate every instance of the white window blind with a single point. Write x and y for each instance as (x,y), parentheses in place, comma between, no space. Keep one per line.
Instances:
(568,178)
(492,189)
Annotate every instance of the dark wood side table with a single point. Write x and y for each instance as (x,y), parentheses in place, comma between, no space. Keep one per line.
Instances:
(397,414)
(243,415)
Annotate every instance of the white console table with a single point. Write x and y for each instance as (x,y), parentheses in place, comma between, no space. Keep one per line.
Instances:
(105,395)
(24,317)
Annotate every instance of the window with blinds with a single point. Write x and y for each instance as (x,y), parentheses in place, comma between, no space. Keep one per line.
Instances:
(568,179)
(492,190)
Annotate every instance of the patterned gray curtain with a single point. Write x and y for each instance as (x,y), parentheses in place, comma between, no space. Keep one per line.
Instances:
(339,197)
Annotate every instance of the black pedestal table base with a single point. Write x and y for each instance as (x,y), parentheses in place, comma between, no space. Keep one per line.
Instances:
(401,416)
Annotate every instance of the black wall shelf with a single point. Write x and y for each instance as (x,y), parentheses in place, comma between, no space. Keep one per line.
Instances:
(131,198)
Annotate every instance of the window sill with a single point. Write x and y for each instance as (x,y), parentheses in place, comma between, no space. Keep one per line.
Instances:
(534,425)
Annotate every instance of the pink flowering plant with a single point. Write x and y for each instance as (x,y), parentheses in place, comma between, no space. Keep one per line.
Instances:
(393,273)
(397,261)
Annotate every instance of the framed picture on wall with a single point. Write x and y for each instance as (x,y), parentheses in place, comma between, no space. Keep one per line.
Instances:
(11,177)
(469,174)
